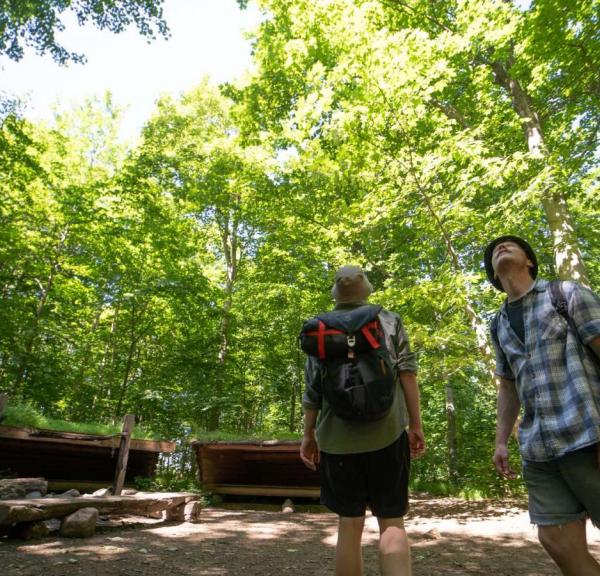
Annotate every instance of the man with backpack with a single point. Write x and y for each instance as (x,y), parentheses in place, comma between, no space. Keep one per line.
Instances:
(360,397)
(547,340)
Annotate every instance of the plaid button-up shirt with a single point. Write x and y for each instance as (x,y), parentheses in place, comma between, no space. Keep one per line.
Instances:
(557,380)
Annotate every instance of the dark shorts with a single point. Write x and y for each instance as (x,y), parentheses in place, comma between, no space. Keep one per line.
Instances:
(379,479)
(565,489)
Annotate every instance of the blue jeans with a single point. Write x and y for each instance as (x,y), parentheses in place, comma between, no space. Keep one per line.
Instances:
(565,489)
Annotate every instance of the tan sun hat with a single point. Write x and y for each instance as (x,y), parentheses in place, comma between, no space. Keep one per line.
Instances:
(351,285)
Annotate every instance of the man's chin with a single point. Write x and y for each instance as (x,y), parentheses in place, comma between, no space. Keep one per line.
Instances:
(503,262)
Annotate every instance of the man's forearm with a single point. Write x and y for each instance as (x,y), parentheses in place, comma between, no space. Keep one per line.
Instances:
(310,421)
(508,410)
(411,395)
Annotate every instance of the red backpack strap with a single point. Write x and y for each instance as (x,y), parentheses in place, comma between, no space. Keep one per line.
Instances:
(369,337)
(320,333)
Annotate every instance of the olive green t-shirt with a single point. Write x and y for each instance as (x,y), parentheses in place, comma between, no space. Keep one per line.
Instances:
(338,436)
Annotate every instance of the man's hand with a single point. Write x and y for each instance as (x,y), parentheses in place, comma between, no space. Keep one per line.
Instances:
(501,462)
(416,442)
(309,451)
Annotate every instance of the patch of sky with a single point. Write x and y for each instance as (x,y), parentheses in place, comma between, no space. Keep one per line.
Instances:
(207,38)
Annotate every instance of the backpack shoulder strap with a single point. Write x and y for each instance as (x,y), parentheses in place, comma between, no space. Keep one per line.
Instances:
(388,321)
(561,305)
(559,300)
(494,329)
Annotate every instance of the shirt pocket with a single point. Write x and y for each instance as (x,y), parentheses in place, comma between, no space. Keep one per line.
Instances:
(553,326)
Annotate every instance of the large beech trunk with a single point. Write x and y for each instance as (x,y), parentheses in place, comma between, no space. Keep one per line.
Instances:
(569,262)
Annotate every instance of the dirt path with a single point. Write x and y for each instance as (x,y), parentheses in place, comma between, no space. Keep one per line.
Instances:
(449,537)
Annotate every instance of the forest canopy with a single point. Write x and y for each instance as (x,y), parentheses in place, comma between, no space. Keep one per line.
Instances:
(171,280)
(35,24)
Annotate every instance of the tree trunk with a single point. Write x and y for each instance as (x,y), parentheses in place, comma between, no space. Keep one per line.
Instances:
(39,310)
(135,335)
(103,390)
(480,326)
(297,383)
(569,262)
(451,434)
(232,254)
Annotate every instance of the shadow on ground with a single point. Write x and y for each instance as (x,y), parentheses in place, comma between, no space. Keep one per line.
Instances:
(425,506)
(269,543)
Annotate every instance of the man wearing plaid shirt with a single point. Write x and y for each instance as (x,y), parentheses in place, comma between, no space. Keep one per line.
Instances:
(553,372)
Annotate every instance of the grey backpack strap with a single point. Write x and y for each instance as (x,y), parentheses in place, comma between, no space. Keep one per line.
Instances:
(388,325)
(494,329)
(561,305)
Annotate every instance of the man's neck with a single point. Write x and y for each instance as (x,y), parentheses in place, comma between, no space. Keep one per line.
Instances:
(516,285)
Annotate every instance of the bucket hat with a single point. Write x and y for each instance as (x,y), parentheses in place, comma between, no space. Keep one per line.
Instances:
(351,285)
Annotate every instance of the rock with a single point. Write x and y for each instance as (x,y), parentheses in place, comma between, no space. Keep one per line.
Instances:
(175,514)
(32,495)
(156,515)
(71,494)
(288,506)
(433,534)
(192,511)
(12,495)
(53,524)
(80,524)
(129,492)
(11,488)
(30,530)
(103,492)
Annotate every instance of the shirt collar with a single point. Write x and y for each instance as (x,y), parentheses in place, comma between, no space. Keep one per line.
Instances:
(539,285)
(349,305)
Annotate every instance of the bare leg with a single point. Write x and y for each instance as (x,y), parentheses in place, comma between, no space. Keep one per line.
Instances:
(394,550)
(567,546)
(348,552)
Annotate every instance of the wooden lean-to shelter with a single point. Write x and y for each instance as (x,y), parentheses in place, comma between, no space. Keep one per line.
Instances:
(268,468)
(73,460)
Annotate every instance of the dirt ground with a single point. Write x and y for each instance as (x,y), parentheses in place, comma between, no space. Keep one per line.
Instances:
(449,537)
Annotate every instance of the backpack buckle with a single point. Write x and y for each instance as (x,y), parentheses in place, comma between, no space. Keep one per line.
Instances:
(351,341)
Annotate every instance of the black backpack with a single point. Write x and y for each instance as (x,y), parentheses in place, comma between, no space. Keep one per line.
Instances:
(355,375)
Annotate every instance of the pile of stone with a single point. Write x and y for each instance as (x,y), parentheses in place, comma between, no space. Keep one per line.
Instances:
(28,511)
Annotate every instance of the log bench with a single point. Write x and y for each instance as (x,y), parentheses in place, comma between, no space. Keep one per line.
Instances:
(142,503)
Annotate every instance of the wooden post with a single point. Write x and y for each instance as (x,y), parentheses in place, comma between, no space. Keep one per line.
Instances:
(3,403)
(128,424)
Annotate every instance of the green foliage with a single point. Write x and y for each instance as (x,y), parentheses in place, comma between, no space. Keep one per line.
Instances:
(171,280)
(169,481)
(34,23)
